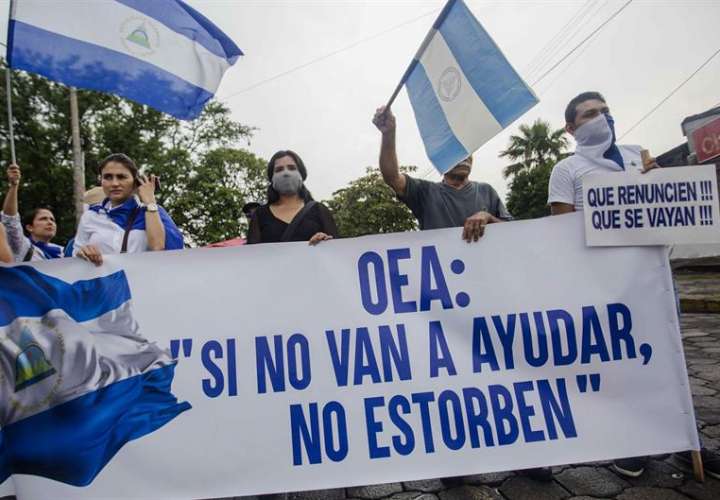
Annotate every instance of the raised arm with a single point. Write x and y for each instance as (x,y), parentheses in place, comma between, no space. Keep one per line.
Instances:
(154,228)
(384,120)
(15,238)
(10,205)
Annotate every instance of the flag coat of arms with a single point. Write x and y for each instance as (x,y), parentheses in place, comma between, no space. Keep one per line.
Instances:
(462,88)
(77,379)
(162,53)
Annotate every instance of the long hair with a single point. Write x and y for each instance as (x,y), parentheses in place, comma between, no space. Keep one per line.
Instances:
(272,195)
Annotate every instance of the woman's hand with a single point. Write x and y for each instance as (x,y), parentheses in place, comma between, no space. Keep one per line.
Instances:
(91,253)
(318,237)
(146,190)
(13,175)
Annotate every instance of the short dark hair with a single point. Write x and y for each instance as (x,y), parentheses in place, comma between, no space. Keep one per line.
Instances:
(29,218)
(123,160)
(272,195)
(571,109)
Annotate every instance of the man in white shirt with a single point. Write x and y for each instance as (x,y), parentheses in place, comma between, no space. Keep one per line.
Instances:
(588,120)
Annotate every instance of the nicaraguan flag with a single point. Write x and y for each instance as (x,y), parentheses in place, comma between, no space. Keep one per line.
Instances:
(77,380)
(162,53)
(462,89)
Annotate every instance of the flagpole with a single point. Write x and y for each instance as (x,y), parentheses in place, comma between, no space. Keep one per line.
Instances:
(78,164)
(426,41)
(11,130)
(8,88)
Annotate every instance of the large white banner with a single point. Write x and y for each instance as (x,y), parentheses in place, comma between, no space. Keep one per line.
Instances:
(360,361)
(665,206)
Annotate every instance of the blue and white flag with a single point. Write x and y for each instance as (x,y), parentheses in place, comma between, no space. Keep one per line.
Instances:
(162,53)
(77,380)
(462,89)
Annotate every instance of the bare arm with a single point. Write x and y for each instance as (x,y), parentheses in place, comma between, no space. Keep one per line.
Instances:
(154,228)
(558,208)
(10,205)
(384,120)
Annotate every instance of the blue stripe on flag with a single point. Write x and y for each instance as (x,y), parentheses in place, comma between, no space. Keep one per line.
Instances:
(26,292)
(90,66)
(183,19)
(73,441)
(441,145)
(496,82)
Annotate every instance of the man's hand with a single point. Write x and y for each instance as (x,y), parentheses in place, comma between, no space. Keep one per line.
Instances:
(91,253)
(648,161)
(14,175)
(474,226)
(384,120)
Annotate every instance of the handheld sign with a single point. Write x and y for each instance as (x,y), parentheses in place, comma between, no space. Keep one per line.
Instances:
(662,207)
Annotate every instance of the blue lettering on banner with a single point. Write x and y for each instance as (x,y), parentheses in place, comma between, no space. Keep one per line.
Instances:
(433,286)
(524,411)
(440,356)
(394,355)
(306,436)
(528,411)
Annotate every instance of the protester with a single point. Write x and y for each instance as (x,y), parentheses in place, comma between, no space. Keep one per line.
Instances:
(588,120)
(39,224)
(454,202)
(129,219)
(290,214)
(6,255)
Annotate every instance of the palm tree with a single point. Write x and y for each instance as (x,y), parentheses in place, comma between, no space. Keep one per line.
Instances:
(536,145)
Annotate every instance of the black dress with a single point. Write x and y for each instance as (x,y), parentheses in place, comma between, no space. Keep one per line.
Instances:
(266,228)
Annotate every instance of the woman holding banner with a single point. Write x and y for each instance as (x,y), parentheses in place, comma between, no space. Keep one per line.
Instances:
(129,219)
(290,214)
(39,224)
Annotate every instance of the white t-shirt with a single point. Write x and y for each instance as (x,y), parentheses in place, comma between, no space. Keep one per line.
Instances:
(567,176)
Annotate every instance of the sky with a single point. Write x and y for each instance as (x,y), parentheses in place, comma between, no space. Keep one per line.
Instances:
(315,70)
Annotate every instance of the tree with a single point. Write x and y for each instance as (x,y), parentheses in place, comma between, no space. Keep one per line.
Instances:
(537,144)
(368,206)
(528,194)
(206,177)
(538,149)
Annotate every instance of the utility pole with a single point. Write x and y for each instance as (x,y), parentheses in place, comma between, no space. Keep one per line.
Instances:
(78,163)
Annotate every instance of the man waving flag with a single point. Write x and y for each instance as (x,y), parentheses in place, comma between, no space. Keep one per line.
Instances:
(462,89)
(77,380)
(162,53)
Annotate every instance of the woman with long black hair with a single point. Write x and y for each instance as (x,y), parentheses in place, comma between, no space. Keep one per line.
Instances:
(290,214)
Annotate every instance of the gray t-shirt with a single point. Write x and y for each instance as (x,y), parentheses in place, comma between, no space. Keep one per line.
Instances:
(437,205)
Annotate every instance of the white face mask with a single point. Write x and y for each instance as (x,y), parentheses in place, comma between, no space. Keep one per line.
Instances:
(287,181)
(595,133)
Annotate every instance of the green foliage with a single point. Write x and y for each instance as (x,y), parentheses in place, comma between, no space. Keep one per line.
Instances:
(368,206)
(205,177)
(538,149)
(535,145)
(528,194)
